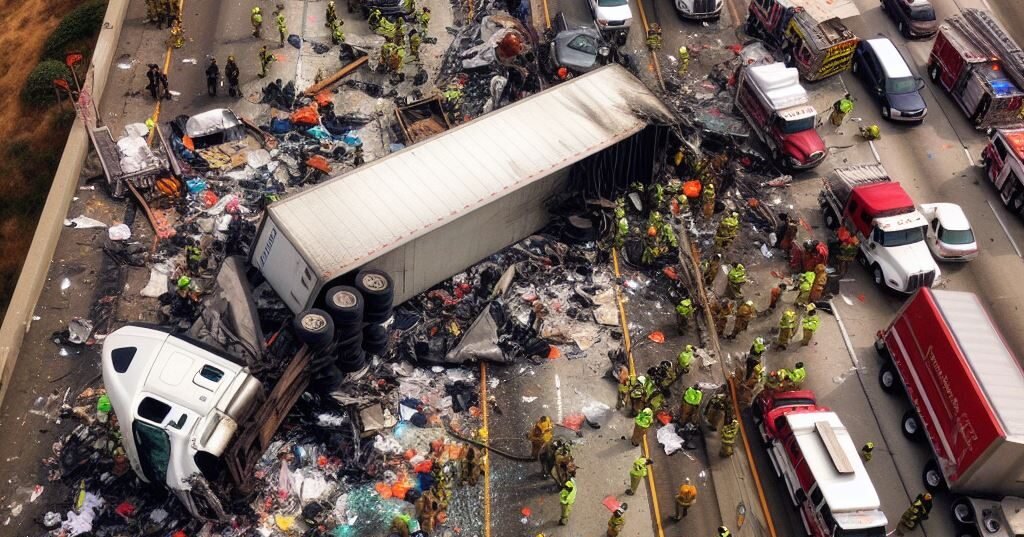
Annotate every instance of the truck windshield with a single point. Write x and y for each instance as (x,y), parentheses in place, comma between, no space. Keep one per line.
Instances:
(922,13)
(154,449)
(796,125)
(906,84)
(902,237)
(956,236)
(862,532)
(612,3)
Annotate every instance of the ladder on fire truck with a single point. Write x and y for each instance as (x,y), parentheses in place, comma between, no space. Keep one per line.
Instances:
(986,33)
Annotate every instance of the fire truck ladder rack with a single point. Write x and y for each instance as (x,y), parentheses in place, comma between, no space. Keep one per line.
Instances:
(986,33)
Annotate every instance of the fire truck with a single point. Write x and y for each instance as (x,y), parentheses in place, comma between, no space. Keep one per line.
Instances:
(1003,159)
(809,33)
(975,59)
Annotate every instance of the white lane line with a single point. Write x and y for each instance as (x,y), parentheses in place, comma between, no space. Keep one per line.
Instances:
(846,335)
(558,394)
(1002,225)
(969,158)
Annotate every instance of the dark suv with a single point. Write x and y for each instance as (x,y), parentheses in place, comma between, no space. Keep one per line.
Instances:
(888,77)
(914,18)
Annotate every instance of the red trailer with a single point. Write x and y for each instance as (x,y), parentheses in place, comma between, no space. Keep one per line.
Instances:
(967,392)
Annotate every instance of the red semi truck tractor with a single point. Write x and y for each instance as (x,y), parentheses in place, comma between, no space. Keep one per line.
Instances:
(967,392)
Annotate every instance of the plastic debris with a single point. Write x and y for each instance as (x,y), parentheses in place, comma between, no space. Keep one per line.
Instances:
(120,232)
(670,439)
(657,336)
(597,414)
(79,330)
(84,222)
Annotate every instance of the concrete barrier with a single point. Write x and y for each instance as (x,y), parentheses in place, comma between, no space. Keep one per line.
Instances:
(65,184)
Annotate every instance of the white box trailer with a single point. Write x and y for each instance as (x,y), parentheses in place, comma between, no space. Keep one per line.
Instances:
(430,210)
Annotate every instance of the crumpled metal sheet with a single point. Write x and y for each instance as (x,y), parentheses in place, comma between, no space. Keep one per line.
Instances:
(480,342)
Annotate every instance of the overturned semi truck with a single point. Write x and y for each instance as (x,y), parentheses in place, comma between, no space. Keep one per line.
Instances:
(425,213)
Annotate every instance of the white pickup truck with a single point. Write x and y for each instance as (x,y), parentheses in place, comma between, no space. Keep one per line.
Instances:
(883,217)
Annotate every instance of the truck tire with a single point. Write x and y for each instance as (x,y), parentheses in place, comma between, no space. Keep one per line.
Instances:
(963,513)
(379,317)
(887,379)
(881,349)
(327,380)
(911,426)
(831,219)
(350,345)
(375,338)
(345,304)
(352,364)
(932,476)
(877,275)
(314,328)
(884,8)
(377,287)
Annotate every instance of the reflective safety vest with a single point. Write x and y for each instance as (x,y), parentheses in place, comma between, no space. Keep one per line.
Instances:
(639,467)
(758,346)
(811,323)
(687,495)
(729,432)
(798,375)
(645,418)
(685,308)
(725,533)
(806,281)
(788,320)
(693,396)
(738,274)
(686,356)
(568,494)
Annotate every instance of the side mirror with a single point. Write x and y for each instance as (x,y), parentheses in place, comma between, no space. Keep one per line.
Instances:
(920,83)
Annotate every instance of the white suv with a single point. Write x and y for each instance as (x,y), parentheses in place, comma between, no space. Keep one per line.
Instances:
(611,15)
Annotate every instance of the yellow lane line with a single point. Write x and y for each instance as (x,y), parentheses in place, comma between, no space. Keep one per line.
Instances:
(487,459)
(654,53)
(167,66)
(547,15)
(624,321)
(750,459)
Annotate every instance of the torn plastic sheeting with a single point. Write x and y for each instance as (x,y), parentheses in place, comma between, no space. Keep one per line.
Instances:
(480,341)
(158,278)
(120,232)
(387,444)
(607,311)
(82,522)
(597,414)
(84,222)
(79,330)
(373,418)
(257,158)
(670,439)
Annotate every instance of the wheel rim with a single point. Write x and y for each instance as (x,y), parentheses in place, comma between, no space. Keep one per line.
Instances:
(375,282)
(962,513)
(878,276)
(932,478)
(344,299)
(910,426)
(887,379)
(313,323)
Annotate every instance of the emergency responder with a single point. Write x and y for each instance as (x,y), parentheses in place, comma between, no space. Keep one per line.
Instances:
(926,504)
(423,17)
(685,359)
(720,311)
(547,457)
(684,314)
(212,74)
(685,499)
(472,465)
(871,132)
(654,37)
(399,525)
(617,521)
(153,76)
(152,15)
(810,324)
(453,96)
(820,281)
(715,410)
(637,472)
(193,256)
(724,532)
(565,464)
(806,283)
(744,313)
(332,14)
(427,508)
(911,518)
(757,349)
(691,402)
(357,155)
(789,235)
(387,51)
(798,375)
(847,253)
(787,325)
(409,6)
(707,196)
(641,423)
(866,451)
(415,41)
(683,55)
(266,58)
(737,277)
(282,28)
(337,34)
(540,435)
(567,497)
(841,109)
(638,395)
(621,223)
(729,433)
(231,74)
(776,294)
(709,269)
(177,39)
(728,228)
(257,22)
(625,383)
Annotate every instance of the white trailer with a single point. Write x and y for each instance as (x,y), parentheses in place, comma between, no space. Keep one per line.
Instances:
(429,211)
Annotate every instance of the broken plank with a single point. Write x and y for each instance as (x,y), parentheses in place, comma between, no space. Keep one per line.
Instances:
(342,73)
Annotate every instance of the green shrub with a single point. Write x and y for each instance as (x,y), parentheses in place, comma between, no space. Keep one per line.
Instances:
(38,89)
(82,22)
